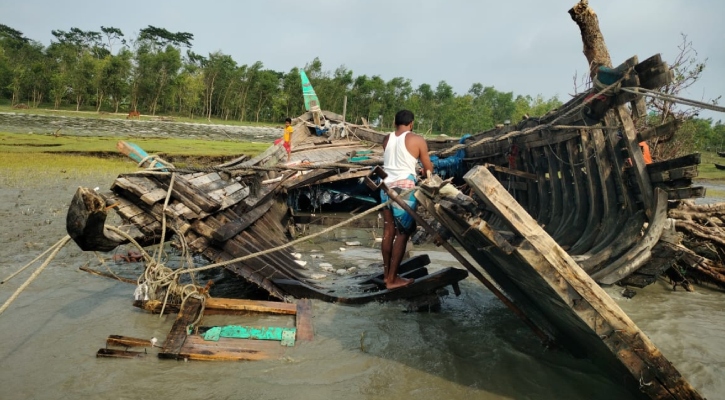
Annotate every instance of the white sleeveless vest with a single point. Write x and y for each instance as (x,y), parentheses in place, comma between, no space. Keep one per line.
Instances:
(397,161)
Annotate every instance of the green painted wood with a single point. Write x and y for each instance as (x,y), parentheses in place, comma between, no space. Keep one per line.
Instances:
(285,335)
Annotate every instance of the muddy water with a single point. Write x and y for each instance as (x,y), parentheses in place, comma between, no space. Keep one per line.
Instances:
(473,349)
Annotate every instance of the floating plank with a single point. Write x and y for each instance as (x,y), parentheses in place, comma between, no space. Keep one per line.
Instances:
(113,353)
(274,333)
(272,307)
(126,341)
(196,348)
(303,320)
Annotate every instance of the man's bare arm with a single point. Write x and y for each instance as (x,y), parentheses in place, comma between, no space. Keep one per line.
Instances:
(423,156)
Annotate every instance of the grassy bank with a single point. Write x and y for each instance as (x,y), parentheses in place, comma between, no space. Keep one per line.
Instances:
(32,157)
(707,170)
(36,144)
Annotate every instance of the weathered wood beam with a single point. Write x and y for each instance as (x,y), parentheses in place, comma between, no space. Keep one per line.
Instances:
(85,222)
(671,164)
(595,50)
(178,335)
(664,131)
(303,320)
(514,172)
(674,174)
(610,327)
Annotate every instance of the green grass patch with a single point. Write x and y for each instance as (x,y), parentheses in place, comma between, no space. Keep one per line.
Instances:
(24,169)
(706,170)
(33,144)
(33,157)
(714,193)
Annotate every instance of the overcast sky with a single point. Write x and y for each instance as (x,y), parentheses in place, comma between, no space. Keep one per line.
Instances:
(524,46)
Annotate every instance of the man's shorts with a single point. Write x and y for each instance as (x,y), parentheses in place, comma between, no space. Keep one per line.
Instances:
(287,147)
(404,222)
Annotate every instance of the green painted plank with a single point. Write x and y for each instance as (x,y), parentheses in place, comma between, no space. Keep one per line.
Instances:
(285,335)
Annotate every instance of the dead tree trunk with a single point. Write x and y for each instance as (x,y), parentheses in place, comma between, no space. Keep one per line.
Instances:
(595,50)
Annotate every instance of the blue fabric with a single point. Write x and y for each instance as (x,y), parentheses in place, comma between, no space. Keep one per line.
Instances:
(404,222)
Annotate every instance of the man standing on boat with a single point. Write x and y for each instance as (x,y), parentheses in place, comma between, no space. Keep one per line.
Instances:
(403,149)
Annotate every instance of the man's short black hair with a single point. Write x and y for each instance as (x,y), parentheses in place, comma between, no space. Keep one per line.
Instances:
(404,117)
(288,120)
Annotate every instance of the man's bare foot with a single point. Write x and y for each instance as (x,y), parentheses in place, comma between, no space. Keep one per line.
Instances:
(399,282)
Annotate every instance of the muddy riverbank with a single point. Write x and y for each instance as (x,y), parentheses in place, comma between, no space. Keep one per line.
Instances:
(83,126)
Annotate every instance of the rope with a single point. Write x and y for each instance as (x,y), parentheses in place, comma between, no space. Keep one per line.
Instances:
(56,248)
(32,262)
(672,98)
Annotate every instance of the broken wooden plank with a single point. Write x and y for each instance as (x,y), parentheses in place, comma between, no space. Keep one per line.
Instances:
(179,331)
(303,320)
(232,228)
(228,349)
(114,353)
(272,307)
(422,286)
(127,341)
(664,131)
(188,194)
(688,172)
(514,172)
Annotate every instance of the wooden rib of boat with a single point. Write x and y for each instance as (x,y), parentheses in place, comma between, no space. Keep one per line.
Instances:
(548,285)
(559,210)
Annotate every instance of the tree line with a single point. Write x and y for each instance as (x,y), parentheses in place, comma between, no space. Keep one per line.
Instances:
(157,72)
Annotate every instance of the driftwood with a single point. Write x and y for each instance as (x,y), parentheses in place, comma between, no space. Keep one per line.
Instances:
(703,244)
(595,50)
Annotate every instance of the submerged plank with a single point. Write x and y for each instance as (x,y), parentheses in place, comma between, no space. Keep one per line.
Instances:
(228,349)
(114,353)
(126,341)
(303,320)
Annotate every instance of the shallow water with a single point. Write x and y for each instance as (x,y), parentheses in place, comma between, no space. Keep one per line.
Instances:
(473,348)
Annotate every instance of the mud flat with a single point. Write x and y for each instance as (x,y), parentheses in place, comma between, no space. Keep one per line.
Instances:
(81,126)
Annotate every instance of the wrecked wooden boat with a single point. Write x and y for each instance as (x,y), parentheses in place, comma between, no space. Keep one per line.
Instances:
(244,207)
(566,201)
